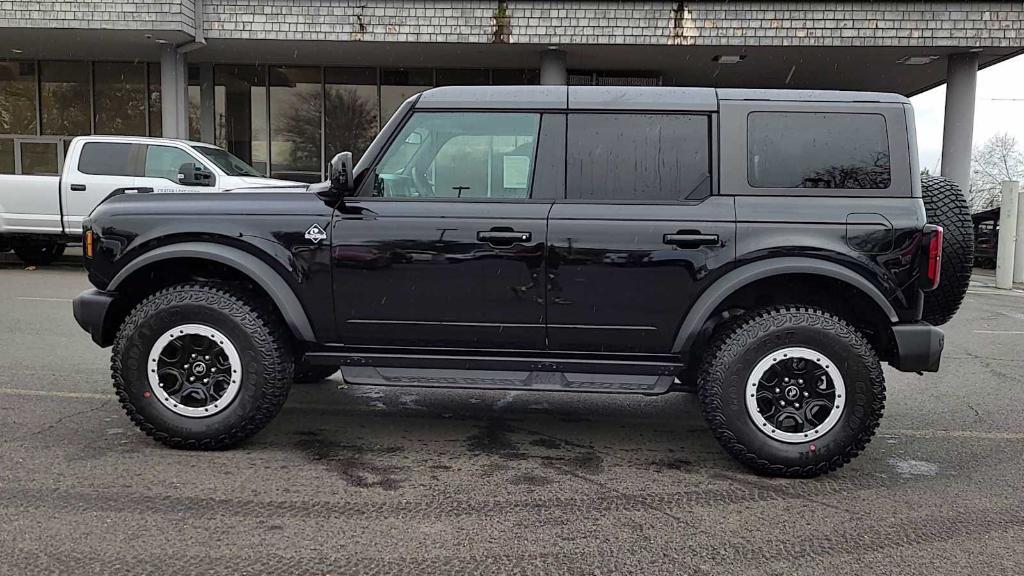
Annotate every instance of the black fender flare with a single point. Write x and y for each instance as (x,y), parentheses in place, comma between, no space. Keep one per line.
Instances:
(258,271)
(705,305)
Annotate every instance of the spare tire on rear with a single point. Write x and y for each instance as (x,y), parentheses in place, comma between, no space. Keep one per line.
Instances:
(946,206)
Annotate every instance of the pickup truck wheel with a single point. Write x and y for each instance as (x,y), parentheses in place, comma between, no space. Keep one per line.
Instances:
(310,374)
(39,253)
(201,365)
(945,205)
(792,391)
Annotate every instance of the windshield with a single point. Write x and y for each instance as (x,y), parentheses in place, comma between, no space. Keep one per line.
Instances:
(228,162)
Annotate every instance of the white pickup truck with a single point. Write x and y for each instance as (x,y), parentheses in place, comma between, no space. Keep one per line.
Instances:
(39,215)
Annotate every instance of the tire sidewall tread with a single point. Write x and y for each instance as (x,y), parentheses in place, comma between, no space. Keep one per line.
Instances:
(253,329)
(722,385)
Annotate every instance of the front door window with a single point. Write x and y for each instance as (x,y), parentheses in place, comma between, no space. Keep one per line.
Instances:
(456,155)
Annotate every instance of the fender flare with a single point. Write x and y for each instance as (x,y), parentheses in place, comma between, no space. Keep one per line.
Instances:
(257,270)
(705,305)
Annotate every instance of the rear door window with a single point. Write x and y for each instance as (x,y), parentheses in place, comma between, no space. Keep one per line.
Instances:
(109,159)
(831,150)
(638,157)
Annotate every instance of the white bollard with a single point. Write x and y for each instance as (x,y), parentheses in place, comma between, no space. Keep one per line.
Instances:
(1018,253)
(1007,234)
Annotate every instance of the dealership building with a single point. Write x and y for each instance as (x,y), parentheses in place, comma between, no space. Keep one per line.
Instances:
(285,84)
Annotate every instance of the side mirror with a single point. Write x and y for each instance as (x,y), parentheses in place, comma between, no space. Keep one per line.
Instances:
(190,174)
(340,174)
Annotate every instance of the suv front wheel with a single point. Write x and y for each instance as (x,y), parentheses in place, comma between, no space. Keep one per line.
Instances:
(201,365)
(792,391)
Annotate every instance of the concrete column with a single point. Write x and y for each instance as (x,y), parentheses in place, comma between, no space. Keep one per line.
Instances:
(1018,252)
(958,128)
(174,93)
(552,68)
(207,104)
(1007,235)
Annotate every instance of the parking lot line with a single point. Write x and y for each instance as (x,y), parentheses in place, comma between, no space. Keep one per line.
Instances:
(999,332)
(44,299)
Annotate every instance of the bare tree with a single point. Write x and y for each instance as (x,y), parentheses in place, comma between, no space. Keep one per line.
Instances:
(999,158)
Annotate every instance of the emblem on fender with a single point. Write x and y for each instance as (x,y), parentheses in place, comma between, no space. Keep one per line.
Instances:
(316,233)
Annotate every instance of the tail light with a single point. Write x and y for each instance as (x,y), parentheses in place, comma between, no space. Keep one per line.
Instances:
(934,262)
(87,244)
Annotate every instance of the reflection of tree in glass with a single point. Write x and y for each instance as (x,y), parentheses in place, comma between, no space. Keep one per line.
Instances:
(871,174)
(65,109)
(351,124)
(121,108)
(17,108)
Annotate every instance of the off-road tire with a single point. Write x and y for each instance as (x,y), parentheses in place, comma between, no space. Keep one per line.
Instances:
(945,205)
(253,328)
(730,360)
(39,253)
(311,374)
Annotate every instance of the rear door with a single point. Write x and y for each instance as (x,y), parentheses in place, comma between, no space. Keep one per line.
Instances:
(444,245)
(640,233)
(99,168)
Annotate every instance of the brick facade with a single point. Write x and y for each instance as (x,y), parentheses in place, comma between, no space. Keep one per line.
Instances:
(957,24)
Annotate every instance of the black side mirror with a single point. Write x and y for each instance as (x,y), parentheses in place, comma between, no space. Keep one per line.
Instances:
(340,174)
(190,174)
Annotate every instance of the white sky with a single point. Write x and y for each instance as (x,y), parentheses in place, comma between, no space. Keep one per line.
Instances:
(994,112)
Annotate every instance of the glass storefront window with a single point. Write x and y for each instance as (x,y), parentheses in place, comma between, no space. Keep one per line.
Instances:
(241,105)
(463,77)
(156,118)
(194,105)
(17,98)
(6,156)
(396,86)
(39,158)
(296,108)
(120,98)
(64,88)
(514,77)
(351,110)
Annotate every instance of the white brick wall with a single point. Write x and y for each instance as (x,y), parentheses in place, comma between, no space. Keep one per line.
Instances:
(960,24)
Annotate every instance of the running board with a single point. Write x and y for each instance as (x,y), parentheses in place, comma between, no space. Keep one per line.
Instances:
(507,380)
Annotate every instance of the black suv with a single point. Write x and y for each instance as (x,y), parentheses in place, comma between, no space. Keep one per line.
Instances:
(767,249)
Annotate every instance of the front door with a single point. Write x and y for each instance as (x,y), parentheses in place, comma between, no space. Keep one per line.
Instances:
(443,247)
(639,234)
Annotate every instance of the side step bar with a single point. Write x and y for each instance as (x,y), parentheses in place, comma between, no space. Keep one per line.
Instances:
(507,380)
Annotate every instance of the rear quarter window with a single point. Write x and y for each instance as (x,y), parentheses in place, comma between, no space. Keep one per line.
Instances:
(830,150)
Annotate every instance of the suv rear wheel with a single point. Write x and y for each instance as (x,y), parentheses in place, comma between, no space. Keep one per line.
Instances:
(792,391)
(201,365)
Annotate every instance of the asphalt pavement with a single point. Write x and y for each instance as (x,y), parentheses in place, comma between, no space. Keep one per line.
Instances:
(356,479)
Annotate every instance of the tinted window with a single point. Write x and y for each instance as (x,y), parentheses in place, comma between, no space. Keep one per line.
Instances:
(460,155)
(6,156)
(164,161)
(653,157)
(107,159)
(812,150)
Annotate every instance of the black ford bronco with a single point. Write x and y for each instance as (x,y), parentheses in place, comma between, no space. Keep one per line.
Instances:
(765,248)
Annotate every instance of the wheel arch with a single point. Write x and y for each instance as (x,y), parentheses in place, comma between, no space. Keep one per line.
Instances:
(709,301)
(249,266)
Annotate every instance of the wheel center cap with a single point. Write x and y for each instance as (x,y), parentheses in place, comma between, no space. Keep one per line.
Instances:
(792,393)
(199,369)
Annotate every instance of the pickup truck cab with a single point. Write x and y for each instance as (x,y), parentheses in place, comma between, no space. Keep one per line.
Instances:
(768,249)
(39,214)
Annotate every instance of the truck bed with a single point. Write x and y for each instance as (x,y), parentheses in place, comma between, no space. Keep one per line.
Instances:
(30,204)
